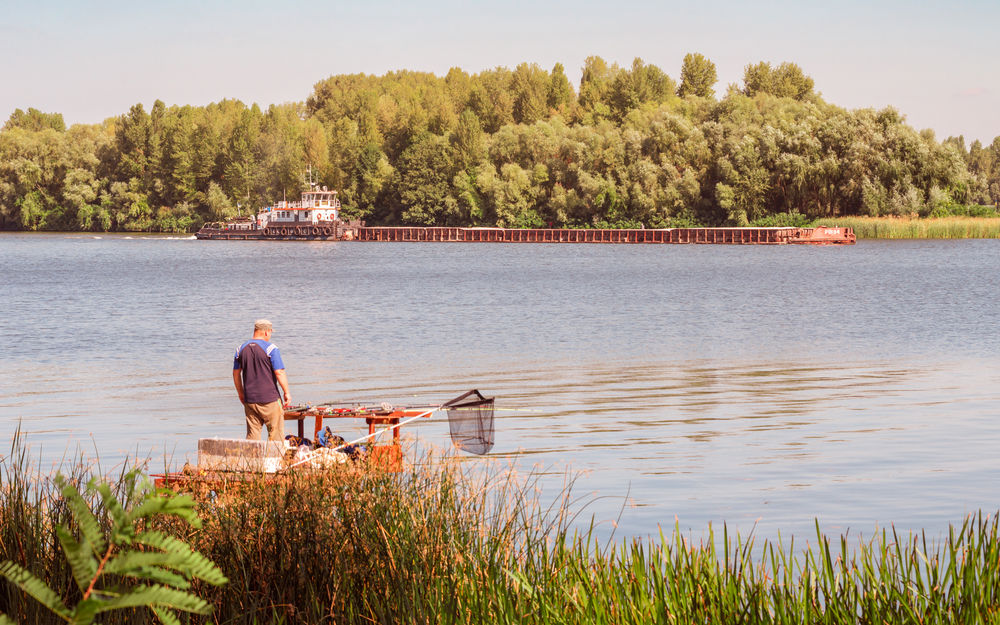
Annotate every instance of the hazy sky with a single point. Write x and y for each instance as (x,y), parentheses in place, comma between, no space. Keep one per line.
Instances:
(935,61)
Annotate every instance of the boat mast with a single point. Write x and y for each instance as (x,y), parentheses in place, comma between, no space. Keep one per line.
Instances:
(309,176)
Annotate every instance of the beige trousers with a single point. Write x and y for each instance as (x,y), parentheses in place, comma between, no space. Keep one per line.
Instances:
(272,415)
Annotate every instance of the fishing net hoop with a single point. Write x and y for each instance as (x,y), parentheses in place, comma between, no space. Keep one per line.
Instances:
(470,421)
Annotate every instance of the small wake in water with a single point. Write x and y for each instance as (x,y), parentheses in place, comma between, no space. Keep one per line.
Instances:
(153,237)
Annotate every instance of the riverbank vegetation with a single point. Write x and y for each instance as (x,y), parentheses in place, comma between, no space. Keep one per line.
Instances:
(446,542)
(628,146)
(912,227)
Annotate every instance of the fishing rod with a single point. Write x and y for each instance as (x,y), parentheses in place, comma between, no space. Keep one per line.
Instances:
(373,407)
(355,404)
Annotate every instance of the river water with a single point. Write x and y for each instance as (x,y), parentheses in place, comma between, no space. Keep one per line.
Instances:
(759,386)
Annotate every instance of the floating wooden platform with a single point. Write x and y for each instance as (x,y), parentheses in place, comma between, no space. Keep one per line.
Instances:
(820,235)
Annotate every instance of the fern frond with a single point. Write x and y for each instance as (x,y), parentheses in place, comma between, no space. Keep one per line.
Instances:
(108,593)
(166,616)
(181,506)
(195,564)
(86,611)
(26,581)
(80,556)
(159,576)
(126,563)
(160,596)
(123,528)
(89,526)
(207,571)
(164,542)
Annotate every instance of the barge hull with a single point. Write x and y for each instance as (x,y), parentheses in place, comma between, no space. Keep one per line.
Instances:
(257,235)
(732,236)
(820,235)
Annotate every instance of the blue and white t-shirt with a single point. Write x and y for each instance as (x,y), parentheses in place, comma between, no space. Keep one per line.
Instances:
(258,360)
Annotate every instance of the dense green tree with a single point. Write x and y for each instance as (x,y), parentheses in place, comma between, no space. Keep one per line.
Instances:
(315,146)
(560,96)
(374,173)
(594,83)
(35,121)
(530,90)
(468,141)
(510,196)
(785,81)
(128,206)
(698,76)
(33,169)
(80,194)
(491,98)
(176,166)
(423,183)
(241,160)
(132,145)
(220,207)
(458,86)
(984,164)
(282,152)
(643,84)
(345,145)
(154,181)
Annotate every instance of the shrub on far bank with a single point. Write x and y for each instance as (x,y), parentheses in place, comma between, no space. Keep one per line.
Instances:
(963,210)
(782,220)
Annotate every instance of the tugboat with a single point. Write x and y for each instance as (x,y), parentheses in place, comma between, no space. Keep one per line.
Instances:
(315,217)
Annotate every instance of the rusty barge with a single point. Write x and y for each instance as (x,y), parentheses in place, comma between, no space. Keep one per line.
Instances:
(356,231)
(316,217)
(738,236)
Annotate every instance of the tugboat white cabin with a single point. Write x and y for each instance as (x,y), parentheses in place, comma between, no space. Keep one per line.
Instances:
(316,206)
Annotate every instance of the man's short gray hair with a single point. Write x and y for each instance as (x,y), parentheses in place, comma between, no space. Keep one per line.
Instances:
(262,325)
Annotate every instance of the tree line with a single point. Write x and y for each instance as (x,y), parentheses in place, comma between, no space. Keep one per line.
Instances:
(629,147)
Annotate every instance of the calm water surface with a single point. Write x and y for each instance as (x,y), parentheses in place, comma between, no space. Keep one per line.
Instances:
(760,386)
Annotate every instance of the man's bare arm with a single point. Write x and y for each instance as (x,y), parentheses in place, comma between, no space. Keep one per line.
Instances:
(283,383)
(238,382)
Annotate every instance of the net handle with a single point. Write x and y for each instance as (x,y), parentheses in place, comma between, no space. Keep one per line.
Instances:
(458,401)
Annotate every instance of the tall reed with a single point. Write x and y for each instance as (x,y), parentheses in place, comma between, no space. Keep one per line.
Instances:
(919,227)
(455,543)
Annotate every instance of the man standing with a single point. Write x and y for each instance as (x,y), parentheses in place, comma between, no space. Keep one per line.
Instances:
(257,372)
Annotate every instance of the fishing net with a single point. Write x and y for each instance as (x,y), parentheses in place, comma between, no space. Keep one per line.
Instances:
(470,419)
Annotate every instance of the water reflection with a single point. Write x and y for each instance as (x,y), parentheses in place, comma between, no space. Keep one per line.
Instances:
(764,443)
